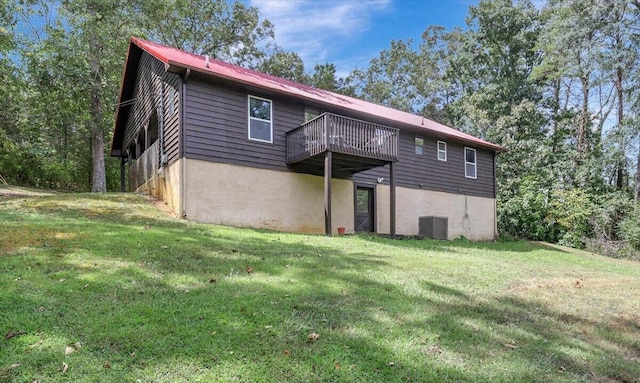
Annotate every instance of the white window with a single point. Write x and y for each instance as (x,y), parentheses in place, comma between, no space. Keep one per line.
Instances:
(470,163)
(260,119)
(442,151)
(419,143)
(171,98)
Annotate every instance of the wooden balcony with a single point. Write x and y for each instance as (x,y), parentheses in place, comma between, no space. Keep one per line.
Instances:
(356,145)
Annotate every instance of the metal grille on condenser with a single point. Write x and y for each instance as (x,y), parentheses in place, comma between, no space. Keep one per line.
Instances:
(433,227)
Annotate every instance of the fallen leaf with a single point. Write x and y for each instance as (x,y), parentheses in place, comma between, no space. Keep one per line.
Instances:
(249,269)
(286,352)
(72,347)
(41,309)
(106,365)
(65,367)
(336,366)
(313,337)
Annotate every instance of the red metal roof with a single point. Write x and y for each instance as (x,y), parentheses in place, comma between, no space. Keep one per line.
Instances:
(175,57)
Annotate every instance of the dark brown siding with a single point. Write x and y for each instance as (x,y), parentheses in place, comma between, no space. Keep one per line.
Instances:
(216,127)
(216,130)
(427,172)
(152,85)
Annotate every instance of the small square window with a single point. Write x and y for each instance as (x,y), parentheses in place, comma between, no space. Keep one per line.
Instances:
(442,151)
(419,144)
(260,119)
(470,163)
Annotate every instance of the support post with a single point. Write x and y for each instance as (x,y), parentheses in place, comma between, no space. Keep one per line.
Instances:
(392,201)
(122,180)
(327,192)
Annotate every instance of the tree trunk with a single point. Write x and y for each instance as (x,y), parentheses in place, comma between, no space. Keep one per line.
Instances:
(621,161)
(99,182)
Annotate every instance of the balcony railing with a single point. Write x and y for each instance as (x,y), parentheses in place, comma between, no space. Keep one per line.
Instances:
(331,132)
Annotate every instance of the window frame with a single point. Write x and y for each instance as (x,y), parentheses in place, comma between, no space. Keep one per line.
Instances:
(250,118)
(444,151)
(475,163)
(416,146)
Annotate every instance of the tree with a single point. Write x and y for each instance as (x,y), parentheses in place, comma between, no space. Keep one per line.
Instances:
(284,64)
(389,79)
(232,33)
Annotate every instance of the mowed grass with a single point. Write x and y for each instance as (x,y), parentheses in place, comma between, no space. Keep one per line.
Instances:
(106,288)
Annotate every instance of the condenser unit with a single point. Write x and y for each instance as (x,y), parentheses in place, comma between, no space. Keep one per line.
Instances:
(434,227)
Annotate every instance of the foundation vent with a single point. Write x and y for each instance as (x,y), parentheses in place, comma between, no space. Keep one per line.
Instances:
(433,227)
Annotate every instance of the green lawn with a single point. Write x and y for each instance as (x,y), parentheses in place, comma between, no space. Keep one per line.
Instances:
(105,288)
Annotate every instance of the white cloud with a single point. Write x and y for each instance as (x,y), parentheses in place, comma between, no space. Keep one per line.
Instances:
(316,29)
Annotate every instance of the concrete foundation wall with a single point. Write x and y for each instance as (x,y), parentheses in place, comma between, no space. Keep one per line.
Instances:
(165,185)
(413,203)
(251,197)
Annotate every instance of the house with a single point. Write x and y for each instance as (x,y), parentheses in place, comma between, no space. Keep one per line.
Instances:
(228,145)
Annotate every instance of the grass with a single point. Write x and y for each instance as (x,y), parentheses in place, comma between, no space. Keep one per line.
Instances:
(105,288)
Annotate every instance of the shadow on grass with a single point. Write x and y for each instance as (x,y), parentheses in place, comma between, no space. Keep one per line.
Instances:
(159,300)
(455,245)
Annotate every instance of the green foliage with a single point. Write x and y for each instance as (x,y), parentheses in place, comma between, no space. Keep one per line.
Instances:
(630,229)
(610,211)
(284,64)
(527,215)
(573,211)
(230,31)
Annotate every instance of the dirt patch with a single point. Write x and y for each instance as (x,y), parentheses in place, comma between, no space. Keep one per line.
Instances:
(162,206)
(7,192)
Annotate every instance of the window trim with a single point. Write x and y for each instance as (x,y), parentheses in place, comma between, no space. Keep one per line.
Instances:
(475,163)
(416,146)
(249,118)
(442,151)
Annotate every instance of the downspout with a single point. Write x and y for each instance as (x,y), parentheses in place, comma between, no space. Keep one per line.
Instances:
(161,121)
(183,176)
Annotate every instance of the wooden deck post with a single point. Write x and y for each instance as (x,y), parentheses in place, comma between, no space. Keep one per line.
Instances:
(327,192)
(392,201)
(122,181)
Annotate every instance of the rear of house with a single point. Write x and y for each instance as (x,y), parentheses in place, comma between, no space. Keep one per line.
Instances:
(227,145)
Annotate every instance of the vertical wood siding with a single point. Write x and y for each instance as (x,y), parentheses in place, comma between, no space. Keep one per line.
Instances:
(154,86)
(216,130)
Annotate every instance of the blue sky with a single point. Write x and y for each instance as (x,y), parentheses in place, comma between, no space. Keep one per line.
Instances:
(349,33)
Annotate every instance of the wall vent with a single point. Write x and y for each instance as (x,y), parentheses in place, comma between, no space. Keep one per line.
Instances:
(433,227)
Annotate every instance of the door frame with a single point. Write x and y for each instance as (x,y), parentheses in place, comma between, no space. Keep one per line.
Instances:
(373,202)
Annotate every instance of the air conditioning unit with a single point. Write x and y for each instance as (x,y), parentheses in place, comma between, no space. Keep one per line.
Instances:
(433,227)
